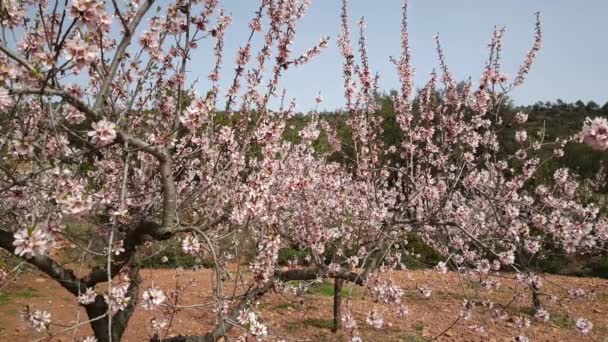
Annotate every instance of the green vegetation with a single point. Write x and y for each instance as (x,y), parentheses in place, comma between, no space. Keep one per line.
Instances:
(286,306)
(326,289)
(414,338)
(22,293)
(318,323)
(175,257)
(292,254)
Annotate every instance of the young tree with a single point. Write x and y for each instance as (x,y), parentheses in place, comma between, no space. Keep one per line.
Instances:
(450,182)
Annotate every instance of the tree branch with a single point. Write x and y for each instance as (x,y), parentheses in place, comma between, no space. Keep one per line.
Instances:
(120,52)
(63,276)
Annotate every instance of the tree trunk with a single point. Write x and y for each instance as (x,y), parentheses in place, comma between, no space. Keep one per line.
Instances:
(536,303)
(337,304)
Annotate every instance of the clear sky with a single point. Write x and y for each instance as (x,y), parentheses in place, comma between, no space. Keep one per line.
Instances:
(571,65)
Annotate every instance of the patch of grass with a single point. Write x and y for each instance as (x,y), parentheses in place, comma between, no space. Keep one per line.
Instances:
(327,289)
(292,326)
(561,320)
(414,338)
(25,293)
(319,323)
(4,298)
(285,306)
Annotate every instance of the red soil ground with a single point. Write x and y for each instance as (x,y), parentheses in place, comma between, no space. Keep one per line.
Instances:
(311,321)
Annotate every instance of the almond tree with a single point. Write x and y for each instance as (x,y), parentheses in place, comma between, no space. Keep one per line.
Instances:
(102,127)
(450,181)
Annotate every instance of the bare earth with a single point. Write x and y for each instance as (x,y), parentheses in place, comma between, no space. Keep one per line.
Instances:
(311,321)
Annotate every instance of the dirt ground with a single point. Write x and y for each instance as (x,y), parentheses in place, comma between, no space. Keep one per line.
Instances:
(290,320)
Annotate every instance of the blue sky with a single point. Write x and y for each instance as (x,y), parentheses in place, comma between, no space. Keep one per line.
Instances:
(571,65)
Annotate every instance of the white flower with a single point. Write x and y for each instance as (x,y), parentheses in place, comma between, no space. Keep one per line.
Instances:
(39,320)
(403,311)
(30,243)
(542,315)
(5,99)
(584,326)
(103,132)
(521,136)
(521,118)
(88,297)
(24,146)
(466,310)
(117,299)
(507,258)
(159,324)
(375,319)
(250,320)
(349,321)
(72,115)
(152,297)
(258,329)
(164,259)
(191,245)
(118,249)
(595,133)
(441,267)
(76,204)
(195,115)
(89,339)
(425,290)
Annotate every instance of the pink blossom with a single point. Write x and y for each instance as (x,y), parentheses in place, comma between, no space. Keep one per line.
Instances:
(117,299)
(38,320)
(441,267)
(88,297)
(466,310)
(584,326)
(152,298)
(58,145)
(425,291)
(521,117)
(159,324)
(103,133)
(92,12)
(73,115)
(349,321)
(250,320)
(30,242)
(24,145)
(542,315)
(5,100)
(191,245)
(595,133)
(263,266)
(195,115)
(76,204)
(374,319)
(81,53)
